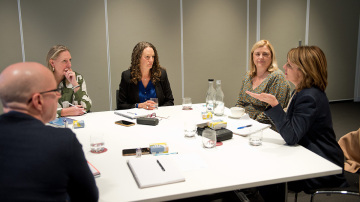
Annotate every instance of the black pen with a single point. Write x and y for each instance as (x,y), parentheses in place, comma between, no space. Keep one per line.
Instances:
(162,168)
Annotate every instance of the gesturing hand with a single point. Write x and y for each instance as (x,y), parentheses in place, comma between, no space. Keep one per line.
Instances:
(264,97)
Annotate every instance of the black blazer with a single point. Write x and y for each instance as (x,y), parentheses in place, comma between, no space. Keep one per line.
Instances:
(42,163)
(128,94)
(308,123)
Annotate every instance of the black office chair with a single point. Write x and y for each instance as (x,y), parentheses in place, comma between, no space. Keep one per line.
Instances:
(350,144)
(353,189)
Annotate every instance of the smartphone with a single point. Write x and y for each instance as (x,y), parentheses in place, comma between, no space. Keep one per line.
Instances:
(125,123)
(132,152)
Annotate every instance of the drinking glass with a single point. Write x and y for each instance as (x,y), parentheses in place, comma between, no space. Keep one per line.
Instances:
(186,104)
(189,129)
(156,105)
(209,138)
(255,138)
(97,144)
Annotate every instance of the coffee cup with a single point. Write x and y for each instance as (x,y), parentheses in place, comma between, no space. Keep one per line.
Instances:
(237,112)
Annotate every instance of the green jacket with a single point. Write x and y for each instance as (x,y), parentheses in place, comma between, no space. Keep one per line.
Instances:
(68,96)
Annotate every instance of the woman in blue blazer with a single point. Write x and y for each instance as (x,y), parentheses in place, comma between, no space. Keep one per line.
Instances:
(307,119)
(144,79)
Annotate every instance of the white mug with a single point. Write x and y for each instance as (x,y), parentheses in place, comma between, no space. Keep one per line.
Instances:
(237,112)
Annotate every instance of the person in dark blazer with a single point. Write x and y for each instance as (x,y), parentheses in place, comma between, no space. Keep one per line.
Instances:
(38,162)
(307,120)
(144,79)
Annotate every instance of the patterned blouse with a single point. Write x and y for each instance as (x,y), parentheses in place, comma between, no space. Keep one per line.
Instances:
(68,96)
(274,84)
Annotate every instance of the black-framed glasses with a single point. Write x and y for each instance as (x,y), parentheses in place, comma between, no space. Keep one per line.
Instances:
(56,90)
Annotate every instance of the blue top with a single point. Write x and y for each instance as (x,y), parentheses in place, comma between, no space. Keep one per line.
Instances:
(146,93)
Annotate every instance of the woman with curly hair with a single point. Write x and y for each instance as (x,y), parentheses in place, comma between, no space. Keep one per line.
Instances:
(144,79)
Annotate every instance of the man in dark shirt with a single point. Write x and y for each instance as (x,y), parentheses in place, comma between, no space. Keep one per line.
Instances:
(38,162)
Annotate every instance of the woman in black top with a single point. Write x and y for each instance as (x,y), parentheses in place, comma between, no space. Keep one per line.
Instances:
(144,79)
(307,120)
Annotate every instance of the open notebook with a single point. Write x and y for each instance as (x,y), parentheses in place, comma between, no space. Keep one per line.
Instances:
(154,171)
(251,126)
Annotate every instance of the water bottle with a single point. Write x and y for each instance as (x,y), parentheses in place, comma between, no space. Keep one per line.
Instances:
(219,100)
(210,97)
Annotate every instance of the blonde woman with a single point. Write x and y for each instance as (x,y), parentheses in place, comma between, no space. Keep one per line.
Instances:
(264,76)
(74,100)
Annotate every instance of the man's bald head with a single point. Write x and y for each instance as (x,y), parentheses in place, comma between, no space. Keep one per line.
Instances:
(19,81)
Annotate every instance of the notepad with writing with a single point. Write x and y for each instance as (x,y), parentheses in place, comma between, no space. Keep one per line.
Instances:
(149,172)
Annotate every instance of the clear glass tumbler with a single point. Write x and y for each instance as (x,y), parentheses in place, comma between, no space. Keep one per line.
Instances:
(186,104)
(97,143)
(156,105)
(209,138)
(189,129)
(256,137)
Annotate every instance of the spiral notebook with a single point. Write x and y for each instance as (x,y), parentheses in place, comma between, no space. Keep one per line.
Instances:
(154,171)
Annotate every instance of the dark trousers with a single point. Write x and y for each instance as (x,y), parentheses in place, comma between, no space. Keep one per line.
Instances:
(274,192)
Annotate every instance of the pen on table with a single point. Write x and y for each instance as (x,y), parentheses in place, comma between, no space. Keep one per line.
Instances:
(241,127)
(162,168)
(131,113)
(159,154)
(76,106)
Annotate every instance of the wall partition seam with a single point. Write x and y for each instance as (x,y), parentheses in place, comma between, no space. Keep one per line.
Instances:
(108,52)
(247,34)
(182,50)
(357,74)
(21,31)
(307,22)
(258,20)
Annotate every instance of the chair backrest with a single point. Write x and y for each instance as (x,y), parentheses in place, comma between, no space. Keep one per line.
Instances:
(350,144)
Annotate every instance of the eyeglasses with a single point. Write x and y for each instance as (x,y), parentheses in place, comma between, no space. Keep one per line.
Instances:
(53,90)
(56,90)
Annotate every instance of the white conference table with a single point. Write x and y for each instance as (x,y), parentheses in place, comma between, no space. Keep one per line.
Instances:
(234,165)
